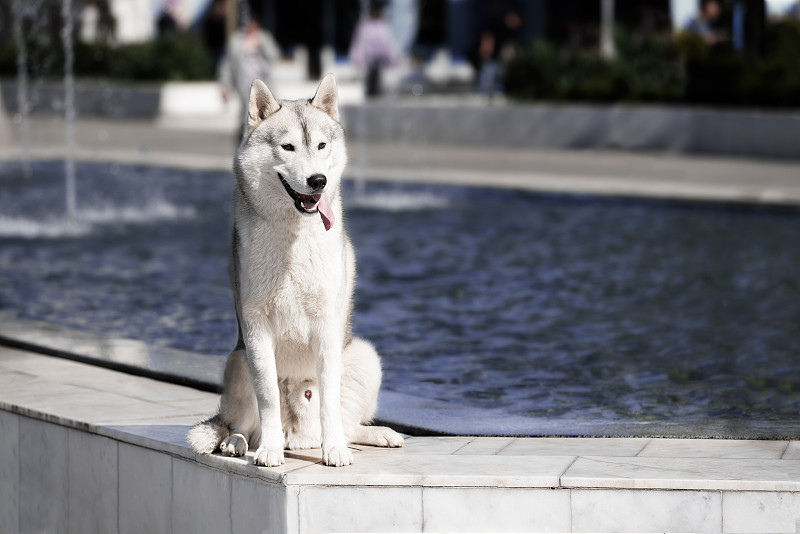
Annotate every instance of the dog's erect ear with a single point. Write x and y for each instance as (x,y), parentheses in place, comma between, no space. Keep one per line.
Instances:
(262,104)
(326,97)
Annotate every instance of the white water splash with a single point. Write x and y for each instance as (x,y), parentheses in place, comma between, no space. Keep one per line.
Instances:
(23,105)
(87,221)
(69,110)
(155,211)
(32,229)
(397,201)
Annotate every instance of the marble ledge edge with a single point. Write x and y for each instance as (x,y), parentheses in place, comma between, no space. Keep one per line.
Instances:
(118,433)
(679,484)
(295,471)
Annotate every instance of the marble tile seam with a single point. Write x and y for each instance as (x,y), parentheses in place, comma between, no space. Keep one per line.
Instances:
(682,473)
(646,461)
(566,470)
(440,470)
(679,486)
(644,448)
(785,449)
(566,487)
(507,445)
(462,446)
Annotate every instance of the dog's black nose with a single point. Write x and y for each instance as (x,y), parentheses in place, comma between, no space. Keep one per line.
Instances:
(317,181)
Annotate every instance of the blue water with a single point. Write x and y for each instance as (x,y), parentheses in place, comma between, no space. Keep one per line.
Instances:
(573,308)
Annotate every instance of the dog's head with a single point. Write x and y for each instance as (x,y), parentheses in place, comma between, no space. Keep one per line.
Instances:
(294,154)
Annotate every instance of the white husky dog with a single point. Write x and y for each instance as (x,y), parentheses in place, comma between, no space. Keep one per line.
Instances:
(297,377)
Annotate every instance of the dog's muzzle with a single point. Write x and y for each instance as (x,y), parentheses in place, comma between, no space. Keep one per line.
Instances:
(311,204)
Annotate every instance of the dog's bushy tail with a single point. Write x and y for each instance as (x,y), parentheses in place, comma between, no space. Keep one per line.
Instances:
(205,437)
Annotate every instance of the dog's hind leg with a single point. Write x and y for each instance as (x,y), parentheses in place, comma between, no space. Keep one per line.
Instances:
(361,381)
(238,407)
(377,436)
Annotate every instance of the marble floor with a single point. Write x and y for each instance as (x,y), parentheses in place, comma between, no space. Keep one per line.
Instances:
(132,425)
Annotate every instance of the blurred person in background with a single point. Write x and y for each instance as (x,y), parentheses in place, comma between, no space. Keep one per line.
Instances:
(90,18)
(373,48)
(249,55)
(502,22)
(96,23)
(703,24)
(214,30)
(167,23)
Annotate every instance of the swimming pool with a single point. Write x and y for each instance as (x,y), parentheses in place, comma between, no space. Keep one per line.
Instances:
(568,308)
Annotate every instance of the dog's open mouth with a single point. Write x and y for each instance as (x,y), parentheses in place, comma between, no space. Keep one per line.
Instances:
(311,204)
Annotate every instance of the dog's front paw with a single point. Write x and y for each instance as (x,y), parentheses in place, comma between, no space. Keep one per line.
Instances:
(269,456)
(336,455)
(234,445)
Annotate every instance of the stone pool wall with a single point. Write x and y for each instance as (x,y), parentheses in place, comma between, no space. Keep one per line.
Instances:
(88,450)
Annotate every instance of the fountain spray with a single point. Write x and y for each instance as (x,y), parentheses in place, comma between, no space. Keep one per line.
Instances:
(69,109)
(22,89)
(361,120)
(244,20)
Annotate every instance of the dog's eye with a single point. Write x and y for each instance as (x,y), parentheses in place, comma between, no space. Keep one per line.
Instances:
(308,394)
(288,147)
(321,146)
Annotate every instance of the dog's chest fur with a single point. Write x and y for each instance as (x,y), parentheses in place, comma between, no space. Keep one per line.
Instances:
(289,278)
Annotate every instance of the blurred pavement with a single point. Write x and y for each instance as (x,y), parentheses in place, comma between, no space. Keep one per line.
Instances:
(610,172)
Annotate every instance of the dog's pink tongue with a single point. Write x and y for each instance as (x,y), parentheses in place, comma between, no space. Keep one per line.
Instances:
(326,212)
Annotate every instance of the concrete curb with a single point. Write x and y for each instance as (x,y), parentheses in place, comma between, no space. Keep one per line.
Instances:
(455,120)
(763,134)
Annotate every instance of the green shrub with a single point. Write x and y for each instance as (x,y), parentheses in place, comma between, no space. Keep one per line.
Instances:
(651,66)
(666,69)
(720,75)
(533,73)
(587,77)
(541,72)
(45,56)
(179,57)
(93,59)
(645,69)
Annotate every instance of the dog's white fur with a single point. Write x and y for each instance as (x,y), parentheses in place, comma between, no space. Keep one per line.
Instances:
(293,281)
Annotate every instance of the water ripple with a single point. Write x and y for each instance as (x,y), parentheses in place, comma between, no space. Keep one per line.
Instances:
(558,307)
